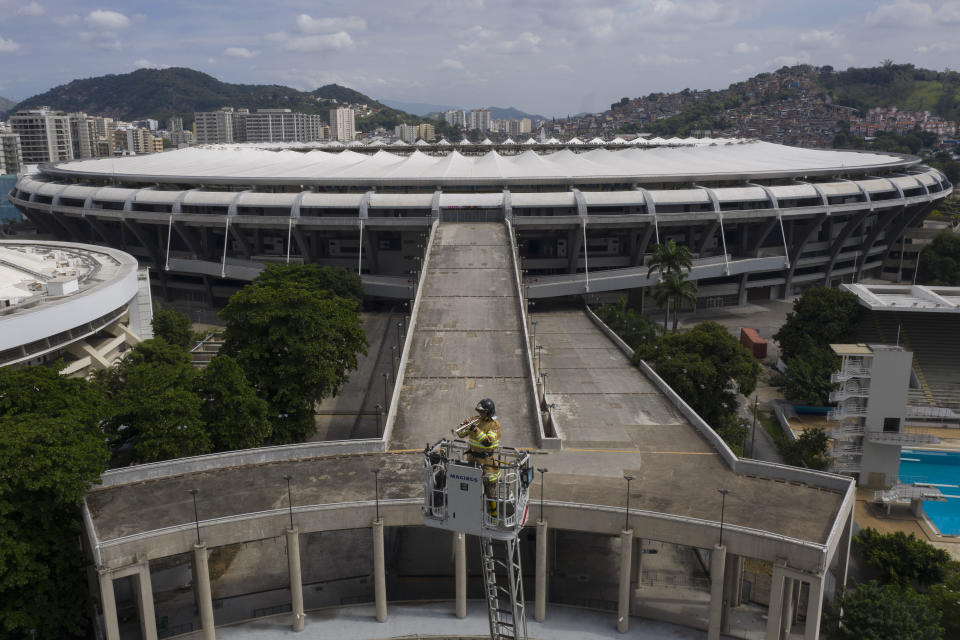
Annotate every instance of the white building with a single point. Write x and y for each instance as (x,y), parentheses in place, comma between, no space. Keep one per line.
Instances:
(282,125)
(44,135)
(342,124)
(479,119)
(214,126)
(84,136)
(81,303)
(456,118)
(406,132)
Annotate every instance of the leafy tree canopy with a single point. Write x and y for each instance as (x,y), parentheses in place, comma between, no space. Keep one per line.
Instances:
(873,611)
(173,326)
(820,316)
(234,416)
(51,449)
(940,261)
(633,327)
(902,559)
(297,341)
(810,449)
(807,380)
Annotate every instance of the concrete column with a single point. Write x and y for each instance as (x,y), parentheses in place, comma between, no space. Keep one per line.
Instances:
(843,552)
(460,568)
(732,578)
(540,598)
(108,602)
(776,604)
(379,572)
(144,589)
(718,561)
(637,576)
(626,562)
(814,609)
(201,581)
(296,581)
(786,619)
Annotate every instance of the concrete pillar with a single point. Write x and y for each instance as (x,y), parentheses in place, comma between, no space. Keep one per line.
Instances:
(296,581)
(540,598)
(814,609)
(460,568)
(108,602)
(379,572)
(718,561)
(626,562)
(843,552)
(732,577)
(637,563)
(742,291)
(776,604)
(201,581)
(144,591)
(786,618)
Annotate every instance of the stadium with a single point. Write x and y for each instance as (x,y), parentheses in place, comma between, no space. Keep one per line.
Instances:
(288,535)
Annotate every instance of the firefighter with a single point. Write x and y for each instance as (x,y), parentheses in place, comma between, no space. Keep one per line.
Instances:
(483,435)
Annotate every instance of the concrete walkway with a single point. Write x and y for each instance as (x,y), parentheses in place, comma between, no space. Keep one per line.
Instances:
(435,620)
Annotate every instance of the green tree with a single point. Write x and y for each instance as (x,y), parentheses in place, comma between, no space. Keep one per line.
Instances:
(872,611)
(155,406)
(820,316)
(234,416)
(945,597)
(173,326)
(670,257)
(296,341)
(677,288)
(700,366)
(901,559)
(335,281)
(633,327)
(807,380)
(810,449)
(669,260)
(51,449)
(940,261)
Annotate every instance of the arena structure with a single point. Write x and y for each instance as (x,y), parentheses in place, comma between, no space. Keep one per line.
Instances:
(78,303)
(762,220)
(191,544)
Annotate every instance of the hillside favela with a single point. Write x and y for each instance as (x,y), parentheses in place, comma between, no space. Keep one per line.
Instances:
(302,335)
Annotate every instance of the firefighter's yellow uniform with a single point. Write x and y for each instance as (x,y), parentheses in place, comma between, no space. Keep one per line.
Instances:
(483,436)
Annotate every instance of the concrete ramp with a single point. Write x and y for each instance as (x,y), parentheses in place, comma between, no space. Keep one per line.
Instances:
(467,342)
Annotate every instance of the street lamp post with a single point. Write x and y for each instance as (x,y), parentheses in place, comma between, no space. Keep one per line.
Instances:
(288,478)
(196,515)
(629,479)
(543,376)
(543,471)
(723,493)
(386,382)
(379,408)
(394,360)
(753,431)
(399,333)
(376,489)
(539,349)
(533,323)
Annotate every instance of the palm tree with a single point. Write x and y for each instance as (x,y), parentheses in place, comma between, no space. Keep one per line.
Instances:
(670,258)
(675,288)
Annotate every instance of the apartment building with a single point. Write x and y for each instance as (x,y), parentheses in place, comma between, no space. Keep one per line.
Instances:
(44,135)
(342,124)
(11,157)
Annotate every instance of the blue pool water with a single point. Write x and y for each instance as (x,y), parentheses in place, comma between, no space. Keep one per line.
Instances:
(941,468)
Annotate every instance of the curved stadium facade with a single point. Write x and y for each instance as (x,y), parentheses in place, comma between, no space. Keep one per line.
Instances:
(762,221)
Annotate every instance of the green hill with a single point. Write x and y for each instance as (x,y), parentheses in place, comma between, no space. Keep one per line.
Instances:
(896,85)
(178,91)
(5,104)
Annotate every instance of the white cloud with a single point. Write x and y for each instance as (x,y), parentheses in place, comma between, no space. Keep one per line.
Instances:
(102,40)
(211,61)
(937,47)
(657,59)
(449,64)
(330,42)
(143,63)
(65,20)
(563,68)
(104,20)
(31,9)
(307,24)
(526,42)
(745,47)
(949,12)
(478,32)
(817,39)
(901,13)
(8,46)
(240,52)
(789,61)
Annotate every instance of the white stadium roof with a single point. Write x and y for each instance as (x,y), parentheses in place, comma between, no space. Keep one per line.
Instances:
(632,162)
(905,297)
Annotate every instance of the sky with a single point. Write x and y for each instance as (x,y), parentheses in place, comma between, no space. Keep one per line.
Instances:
(551,57)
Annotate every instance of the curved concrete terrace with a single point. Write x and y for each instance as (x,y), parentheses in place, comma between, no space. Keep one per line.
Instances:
(468,339)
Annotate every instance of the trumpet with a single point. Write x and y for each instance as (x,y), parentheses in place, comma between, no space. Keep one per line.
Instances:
(465,427)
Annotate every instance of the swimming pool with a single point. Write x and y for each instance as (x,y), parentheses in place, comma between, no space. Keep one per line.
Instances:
(940,468)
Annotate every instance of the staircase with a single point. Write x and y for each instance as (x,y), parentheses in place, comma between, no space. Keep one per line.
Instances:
(206,349)
(503,584)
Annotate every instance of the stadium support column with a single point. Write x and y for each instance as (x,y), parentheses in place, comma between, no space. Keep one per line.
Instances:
(379,572)
(814,609)
(843,549)
(718,559)
(775,610)
(540,597)
(296,581)
(789,593)
(460,572)
(626,566)
(143,587)
(108,602)
(201,578)
(732,578)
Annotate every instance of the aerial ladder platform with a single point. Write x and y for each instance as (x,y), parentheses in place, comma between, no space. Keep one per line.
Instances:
(454,499)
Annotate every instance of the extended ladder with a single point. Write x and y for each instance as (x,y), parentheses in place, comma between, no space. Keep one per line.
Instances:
(503,584)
